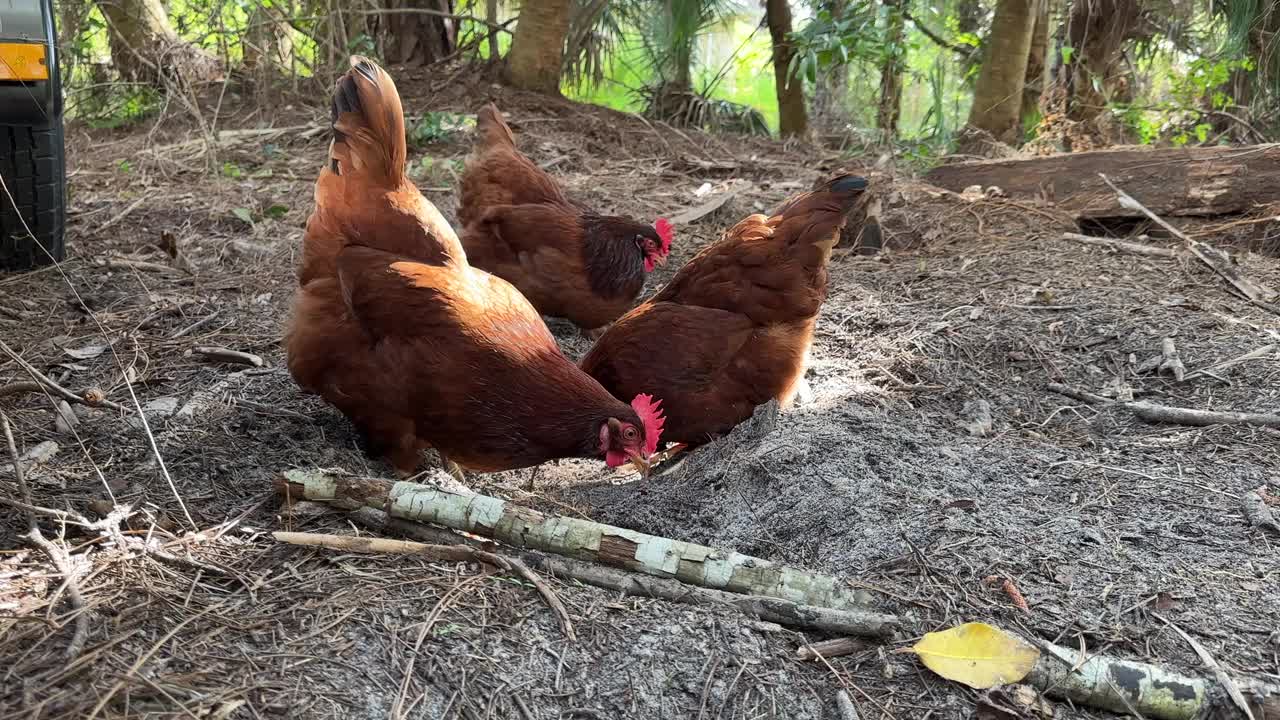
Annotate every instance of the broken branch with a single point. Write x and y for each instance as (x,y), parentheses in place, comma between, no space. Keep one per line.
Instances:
(1155,413)
(1217,260)
(1258,354)
(92,397)
(1121,245)
(214,353)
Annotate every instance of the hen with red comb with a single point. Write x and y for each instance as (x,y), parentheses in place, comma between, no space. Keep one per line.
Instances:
(568,260)
(732,328)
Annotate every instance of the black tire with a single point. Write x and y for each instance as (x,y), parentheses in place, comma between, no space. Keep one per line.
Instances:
(34,167)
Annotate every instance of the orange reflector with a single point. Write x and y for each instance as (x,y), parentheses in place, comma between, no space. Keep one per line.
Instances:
(23,61)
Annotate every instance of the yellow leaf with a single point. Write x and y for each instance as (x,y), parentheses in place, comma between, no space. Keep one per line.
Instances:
(977,654)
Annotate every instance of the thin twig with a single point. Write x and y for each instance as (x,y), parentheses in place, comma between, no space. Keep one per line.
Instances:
(1227,683)
(89,398)
(450,553)
(57,556)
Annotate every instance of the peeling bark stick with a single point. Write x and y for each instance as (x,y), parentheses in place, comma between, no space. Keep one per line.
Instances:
(440,553)
(1125,686)
(860,623)
(1219,261)
(578,539)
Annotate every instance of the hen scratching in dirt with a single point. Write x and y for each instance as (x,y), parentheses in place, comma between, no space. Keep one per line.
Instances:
(735,324)
(568,261)
(395,329)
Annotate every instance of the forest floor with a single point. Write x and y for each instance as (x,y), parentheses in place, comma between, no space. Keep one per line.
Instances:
(1097,517)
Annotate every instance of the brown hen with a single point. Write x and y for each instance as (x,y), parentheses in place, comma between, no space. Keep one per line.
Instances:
(732,329)
(567,260)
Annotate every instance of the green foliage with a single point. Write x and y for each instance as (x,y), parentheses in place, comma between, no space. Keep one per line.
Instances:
(437,126)
(1192,97)
(826,41)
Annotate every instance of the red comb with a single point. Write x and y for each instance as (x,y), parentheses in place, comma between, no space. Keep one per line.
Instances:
(650,412)
(666,232)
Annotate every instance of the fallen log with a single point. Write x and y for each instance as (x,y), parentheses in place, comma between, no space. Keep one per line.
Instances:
(1170,181)
(860,623)
(579,539)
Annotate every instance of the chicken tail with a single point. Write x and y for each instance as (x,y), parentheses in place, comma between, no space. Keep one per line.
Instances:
(491,129)
(368,125)
(813,220)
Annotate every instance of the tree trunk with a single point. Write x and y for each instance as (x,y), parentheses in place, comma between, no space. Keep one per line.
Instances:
(417,39)
(793,118)
(831,92)
(890,107)
(1034,82)
(268,42)
(491,15)
(1094,74)
(997,98)
(537,50)
(146,48)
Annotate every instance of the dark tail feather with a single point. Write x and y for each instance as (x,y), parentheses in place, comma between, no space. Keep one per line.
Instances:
(368,124)
(813,221)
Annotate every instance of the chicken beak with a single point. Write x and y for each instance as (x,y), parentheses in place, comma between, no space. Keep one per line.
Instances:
(660,259)
(639,462)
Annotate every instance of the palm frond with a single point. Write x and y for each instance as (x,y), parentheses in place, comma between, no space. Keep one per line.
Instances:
(597,31)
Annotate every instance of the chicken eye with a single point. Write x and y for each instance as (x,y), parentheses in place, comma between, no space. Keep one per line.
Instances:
(629,433)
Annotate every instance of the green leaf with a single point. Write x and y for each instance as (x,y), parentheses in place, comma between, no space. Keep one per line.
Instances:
(275,212)
(243,214)
(1067,53)
(1202,131)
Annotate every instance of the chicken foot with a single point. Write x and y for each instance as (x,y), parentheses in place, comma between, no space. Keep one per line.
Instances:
(453,468)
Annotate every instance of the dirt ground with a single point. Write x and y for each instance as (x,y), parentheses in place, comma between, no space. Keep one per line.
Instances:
(881,477)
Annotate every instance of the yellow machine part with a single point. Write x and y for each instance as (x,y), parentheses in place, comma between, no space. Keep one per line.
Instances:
(23,61)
